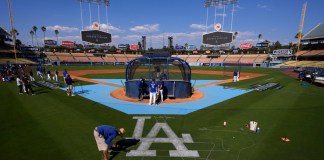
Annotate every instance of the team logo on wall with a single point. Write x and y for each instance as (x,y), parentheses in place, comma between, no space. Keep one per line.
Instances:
(218,27)
(95,25)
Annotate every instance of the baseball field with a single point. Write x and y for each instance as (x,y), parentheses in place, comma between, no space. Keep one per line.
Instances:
(54,126)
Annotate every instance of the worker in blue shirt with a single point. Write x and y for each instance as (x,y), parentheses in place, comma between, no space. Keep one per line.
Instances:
(65,72)
(104,135)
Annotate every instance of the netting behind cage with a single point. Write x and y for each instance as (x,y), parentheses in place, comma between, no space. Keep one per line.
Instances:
(167,68)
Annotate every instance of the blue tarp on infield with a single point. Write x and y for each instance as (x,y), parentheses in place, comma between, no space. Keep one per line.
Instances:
(212,95)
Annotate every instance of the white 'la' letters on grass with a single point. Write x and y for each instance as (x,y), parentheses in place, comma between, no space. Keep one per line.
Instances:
(146,142)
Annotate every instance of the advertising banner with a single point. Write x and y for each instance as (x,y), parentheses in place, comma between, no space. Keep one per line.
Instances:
(68,44)
(50,42)
(260,45)
(134,47)
(282,52)
(120,63)
(29,49)
(245,46)
(194,64)
(110,63)
(123,46)
(179,47)
(89,46)
(191,48)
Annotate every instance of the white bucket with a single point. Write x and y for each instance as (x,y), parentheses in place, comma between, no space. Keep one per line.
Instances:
(253,125)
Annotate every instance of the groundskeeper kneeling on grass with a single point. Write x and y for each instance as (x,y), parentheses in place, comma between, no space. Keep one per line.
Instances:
(104,135)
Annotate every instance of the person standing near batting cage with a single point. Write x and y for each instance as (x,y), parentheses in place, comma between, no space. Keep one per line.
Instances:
(153,87)
(141,89)
(160,89)
(104,135)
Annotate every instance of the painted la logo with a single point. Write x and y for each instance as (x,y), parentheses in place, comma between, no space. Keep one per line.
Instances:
(146,142)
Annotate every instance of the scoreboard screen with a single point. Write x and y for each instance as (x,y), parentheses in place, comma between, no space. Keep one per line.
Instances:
(218,38)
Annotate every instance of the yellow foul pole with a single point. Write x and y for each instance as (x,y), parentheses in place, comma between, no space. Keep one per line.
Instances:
(13,32)
(301,25)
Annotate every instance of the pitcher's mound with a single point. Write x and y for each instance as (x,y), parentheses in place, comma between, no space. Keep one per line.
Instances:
(121,95)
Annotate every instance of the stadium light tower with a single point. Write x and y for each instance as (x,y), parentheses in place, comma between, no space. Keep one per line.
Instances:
(95,29)
(99,3)
(219,27)
(220,4)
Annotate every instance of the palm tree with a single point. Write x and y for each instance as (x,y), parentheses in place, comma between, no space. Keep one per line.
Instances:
(259,37)
(44,30)
(56,33)
(32,34)
(35,30)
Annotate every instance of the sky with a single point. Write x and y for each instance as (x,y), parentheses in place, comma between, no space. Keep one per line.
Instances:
(185,20)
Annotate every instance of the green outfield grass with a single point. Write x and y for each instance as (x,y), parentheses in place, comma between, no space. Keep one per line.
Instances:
(53,126)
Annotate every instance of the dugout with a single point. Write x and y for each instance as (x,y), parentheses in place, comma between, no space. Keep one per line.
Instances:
(175,72)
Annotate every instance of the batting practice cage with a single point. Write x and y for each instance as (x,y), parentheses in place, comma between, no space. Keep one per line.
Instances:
(173,71)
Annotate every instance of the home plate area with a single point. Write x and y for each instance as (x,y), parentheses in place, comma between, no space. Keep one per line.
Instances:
(100,93)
